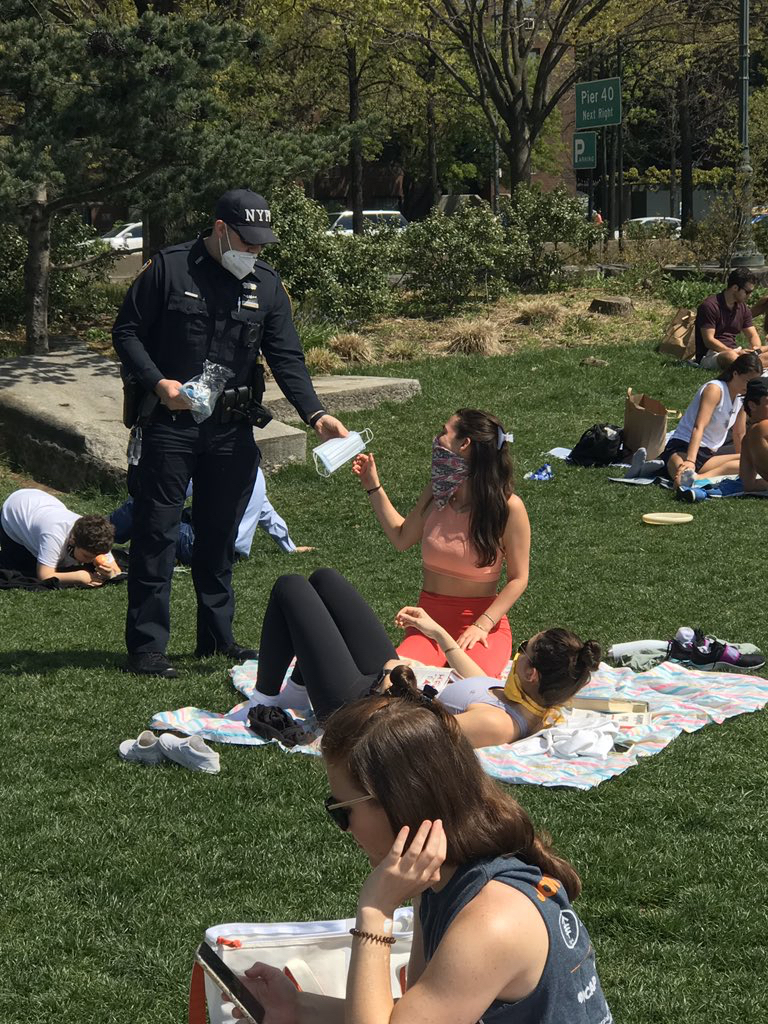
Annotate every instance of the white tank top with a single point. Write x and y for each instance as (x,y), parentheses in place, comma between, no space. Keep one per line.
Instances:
(723,417)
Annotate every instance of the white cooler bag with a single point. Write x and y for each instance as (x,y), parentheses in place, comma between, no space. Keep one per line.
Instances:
(313,954)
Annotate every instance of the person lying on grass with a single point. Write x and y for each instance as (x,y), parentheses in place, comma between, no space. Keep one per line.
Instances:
(343,652)
(753,464)
(41,538)
(495,936)
(469,523)
(692,450)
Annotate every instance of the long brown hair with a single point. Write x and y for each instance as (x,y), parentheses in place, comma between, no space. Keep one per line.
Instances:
(490,481)
(411,755)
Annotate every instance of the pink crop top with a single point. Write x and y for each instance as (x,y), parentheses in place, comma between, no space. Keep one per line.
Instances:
(447,549)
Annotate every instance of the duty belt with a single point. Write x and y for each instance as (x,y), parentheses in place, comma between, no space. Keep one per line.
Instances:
(236,405)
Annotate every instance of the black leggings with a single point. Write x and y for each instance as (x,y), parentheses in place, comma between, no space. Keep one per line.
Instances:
(339,644)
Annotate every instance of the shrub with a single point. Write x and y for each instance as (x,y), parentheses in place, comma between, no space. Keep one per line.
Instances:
(473,337)
(323,360)
(73,293)
(402,351)
(342,279)
(359,289)
(543,228)
(352,348)
(448,259)
(539,313)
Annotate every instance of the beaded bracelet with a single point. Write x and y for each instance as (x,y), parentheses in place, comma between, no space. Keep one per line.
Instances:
(385,940)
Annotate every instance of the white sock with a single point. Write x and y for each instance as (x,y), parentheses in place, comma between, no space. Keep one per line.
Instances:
(637,463)
(291,696)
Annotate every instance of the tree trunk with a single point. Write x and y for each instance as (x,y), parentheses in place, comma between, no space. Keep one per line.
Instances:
(686,153)
(435,190)
(517,149)
(356,146)
(37,270)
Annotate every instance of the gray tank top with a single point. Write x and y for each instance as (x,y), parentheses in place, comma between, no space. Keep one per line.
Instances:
(569,990)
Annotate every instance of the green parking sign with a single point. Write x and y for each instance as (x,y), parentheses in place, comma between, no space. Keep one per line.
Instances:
(584,151)
(598,103)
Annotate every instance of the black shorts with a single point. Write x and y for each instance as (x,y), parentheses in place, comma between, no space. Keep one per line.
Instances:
(676,446)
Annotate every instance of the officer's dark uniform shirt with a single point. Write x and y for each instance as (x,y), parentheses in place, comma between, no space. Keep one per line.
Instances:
(184,308)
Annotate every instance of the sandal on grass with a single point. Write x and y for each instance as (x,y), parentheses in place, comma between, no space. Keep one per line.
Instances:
(271,723)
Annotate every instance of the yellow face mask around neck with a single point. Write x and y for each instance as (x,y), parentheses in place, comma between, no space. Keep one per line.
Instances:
(513,690)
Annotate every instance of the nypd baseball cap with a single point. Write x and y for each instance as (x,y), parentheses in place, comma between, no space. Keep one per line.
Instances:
(248,213)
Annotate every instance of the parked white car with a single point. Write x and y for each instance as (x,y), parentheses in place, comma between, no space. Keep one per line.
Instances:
(662,227)
(373,219)
(125,237)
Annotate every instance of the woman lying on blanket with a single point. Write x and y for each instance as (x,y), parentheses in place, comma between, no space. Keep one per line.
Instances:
(691,452)
(469,523)
(343,652)
(495,937)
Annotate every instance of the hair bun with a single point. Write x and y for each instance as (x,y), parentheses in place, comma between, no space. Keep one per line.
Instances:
(590,655)
(403,682)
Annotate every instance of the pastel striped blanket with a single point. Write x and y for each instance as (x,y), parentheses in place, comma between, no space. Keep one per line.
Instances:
(680,699)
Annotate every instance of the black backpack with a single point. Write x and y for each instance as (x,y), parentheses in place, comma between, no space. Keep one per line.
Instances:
(598,446)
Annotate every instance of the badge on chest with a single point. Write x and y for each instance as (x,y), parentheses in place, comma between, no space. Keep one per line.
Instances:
(250,299)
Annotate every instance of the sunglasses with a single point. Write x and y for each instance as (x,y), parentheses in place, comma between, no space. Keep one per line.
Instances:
(338,809)
(523,649)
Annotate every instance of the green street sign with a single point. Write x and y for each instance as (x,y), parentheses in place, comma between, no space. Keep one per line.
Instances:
(584,151)
(598,103)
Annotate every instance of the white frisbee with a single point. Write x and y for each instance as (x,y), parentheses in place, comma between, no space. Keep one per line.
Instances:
(667,518)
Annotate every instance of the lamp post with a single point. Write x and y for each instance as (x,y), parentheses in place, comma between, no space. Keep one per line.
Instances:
(747,253)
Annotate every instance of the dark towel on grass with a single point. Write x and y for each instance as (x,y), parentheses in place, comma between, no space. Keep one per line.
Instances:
(12,580)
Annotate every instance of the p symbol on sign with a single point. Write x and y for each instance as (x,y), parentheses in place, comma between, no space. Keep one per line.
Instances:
(579,148)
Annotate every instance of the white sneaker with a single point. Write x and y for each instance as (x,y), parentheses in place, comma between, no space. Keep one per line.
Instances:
(190,751)
(145,748)
(292,697)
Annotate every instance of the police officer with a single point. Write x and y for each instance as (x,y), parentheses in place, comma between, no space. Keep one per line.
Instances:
(207,299)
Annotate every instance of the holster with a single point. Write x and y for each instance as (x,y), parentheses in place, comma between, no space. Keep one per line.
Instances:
(138,404)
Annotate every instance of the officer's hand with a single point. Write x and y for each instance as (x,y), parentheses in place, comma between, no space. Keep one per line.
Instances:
(328,427)
(170,394)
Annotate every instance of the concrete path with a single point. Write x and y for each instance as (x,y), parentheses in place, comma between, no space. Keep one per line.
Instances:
(61,417)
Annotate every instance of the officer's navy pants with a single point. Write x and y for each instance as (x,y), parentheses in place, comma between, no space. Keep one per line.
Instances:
(222,461)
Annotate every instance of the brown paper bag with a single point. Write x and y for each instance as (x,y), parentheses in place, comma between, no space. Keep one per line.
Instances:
(645,424)
(680,339)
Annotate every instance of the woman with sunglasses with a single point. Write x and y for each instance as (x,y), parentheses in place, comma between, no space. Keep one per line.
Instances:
(469,523)
(343,652)
(692,451)
(495,935)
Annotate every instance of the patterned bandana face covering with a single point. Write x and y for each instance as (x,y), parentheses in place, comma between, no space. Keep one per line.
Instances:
(449,471)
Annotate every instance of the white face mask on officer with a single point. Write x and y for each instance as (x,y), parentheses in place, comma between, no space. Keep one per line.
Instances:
(239,263)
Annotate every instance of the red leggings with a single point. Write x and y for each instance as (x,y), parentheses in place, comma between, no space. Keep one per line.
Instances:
(455,614)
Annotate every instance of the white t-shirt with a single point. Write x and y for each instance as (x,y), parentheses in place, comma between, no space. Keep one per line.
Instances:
(40,522)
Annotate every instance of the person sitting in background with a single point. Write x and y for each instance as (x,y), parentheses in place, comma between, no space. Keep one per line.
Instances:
(41,537)
(692,450)
(259,512)
(469,522)
(721,318)
(753,465)
(495,937)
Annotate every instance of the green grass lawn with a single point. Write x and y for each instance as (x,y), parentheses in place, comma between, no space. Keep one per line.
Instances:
(110,872)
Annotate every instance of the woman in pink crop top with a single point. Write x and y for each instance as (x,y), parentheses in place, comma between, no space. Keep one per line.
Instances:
(469,522)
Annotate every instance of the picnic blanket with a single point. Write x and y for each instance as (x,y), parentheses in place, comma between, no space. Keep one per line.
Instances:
(680,700)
